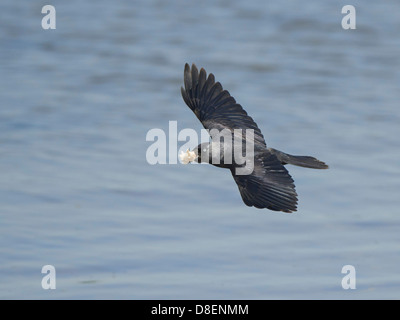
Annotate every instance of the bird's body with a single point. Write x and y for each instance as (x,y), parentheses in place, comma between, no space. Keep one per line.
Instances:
(260,174)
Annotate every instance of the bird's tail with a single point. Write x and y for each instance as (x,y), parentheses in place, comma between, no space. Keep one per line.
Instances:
(302,161)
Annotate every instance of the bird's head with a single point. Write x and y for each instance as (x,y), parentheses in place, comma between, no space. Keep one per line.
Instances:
(202,152)
(199,154)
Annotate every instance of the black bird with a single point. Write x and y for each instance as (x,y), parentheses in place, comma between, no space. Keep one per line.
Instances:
(269,184)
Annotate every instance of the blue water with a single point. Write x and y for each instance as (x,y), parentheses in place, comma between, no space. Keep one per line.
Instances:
(76,191)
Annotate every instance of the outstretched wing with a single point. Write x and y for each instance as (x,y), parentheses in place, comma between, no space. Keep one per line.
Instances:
(269,186)
(215,107)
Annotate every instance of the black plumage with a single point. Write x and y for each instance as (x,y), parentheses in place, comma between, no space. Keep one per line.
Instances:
(269,185)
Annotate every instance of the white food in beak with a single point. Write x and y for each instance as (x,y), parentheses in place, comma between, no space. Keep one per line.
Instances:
(187,156)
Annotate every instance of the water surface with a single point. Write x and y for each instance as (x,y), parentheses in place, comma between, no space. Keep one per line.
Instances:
(76,191)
